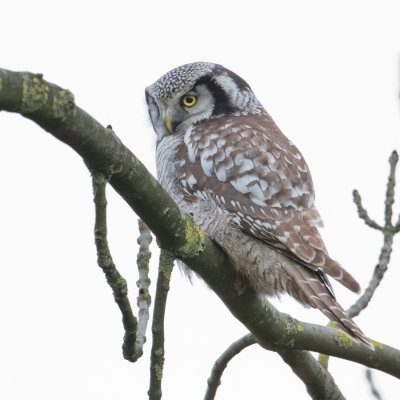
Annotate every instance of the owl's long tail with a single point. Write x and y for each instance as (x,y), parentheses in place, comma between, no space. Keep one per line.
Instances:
(317,294)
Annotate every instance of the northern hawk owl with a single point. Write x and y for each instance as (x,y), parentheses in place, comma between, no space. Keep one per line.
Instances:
(222,159)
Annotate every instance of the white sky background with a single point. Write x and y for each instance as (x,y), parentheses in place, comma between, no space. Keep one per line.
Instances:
(328,73)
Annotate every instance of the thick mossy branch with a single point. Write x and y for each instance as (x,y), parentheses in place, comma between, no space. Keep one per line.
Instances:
(54,110)
(115,280)
(157,349)
(104,152)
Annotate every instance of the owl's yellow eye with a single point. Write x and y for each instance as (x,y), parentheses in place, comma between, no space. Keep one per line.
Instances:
(189,100)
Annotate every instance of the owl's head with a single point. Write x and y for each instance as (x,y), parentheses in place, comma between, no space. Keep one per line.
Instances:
(196,92)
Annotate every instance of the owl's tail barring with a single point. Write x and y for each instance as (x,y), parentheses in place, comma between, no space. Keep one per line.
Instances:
(319,296)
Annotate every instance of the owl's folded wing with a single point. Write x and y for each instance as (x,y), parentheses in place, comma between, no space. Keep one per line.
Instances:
(257,176)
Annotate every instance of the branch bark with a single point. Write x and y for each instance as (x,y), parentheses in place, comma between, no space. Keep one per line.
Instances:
(157,349)
(388,230)
(115,280)
(54,110)
(143,283)
(318,381)
(221,363)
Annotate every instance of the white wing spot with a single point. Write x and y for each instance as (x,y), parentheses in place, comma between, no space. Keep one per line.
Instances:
(256,193)
(191,181)
(241,183)
(245,165)
(207,165)
(221,142)
(214,136)
(297,156)
(258,202)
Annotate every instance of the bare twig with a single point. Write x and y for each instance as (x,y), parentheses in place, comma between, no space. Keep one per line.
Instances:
(388,231)
(220,364)
(393,160)
(143,283)
(374,390)
(318,381)
(362,212)
(157,350)
(115,280)
(396,227)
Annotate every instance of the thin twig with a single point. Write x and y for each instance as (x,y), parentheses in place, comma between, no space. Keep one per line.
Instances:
(388,231)
(380,269)
(143,283)
(396,227)
(362,212)
(388,234)
(318,381)
(393,159)
(220,364)
(115,280)
(374,390)
(157,349)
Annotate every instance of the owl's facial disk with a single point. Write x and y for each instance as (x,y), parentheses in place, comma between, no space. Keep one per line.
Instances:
(176,114)
(194,92)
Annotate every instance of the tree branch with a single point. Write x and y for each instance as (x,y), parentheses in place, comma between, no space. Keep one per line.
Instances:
(319,382)
(53,109)
(221,363)
(388,231)
(362,212)
(389,201)
(157,350)
(370,380)
(143,283)
(114,279)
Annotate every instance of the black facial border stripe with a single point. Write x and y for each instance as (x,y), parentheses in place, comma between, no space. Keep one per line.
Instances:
(223,105)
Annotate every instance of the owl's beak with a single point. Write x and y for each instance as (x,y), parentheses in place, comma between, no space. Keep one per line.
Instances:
(168,123)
